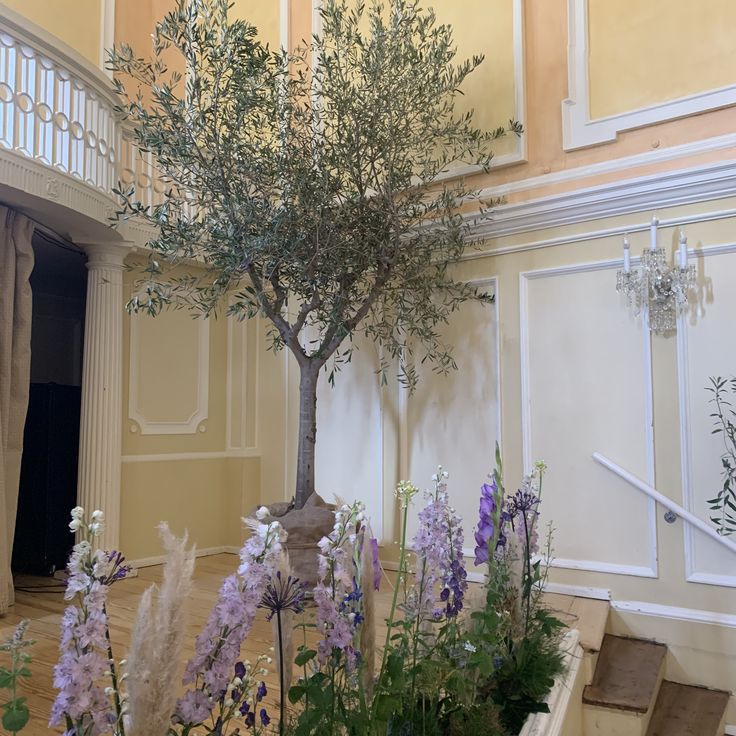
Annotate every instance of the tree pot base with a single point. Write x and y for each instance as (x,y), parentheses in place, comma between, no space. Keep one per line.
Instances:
(305,527)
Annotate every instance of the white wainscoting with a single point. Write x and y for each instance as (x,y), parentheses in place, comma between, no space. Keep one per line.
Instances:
(587,384)
(579,130)
(705,347)
(455,419)
(168,390)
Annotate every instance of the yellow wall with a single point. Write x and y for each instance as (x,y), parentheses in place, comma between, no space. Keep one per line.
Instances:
(264,15)
(76,22)
(644,52)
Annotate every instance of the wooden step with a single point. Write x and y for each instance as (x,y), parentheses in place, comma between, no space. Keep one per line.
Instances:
(685,710)
(627,675)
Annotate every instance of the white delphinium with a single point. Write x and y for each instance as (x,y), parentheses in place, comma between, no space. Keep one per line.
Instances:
(156,642)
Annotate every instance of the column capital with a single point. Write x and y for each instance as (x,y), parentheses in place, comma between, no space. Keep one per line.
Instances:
(105,255)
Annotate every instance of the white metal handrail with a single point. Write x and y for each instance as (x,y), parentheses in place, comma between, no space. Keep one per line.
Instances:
(668,503)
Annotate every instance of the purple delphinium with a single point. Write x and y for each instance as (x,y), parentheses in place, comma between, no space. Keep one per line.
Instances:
(490,535)
(217,647)
(338,596)
(438,545)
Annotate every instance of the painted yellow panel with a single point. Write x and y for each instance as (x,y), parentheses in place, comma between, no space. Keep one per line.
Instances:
(264,15)
(484,27)
(643,52)
(75,22)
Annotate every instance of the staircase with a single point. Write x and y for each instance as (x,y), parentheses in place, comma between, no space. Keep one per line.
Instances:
(627,693)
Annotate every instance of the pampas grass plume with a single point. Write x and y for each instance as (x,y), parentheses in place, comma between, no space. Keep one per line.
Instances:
(156,642)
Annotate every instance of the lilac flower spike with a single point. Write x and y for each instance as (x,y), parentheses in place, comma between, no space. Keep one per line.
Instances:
(217,648)
(490,533)
(438,545)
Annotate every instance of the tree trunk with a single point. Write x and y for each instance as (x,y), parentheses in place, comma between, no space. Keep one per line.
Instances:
(307,433)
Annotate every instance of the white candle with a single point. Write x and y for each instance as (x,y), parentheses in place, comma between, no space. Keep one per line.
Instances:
(683,250)
(653,233)
(627,256)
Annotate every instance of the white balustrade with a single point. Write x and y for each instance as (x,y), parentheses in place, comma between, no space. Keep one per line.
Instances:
(59,110)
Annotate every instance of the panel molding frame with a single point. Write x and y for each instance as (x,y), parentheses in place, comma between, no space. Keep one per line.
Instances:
(686,469)
(231,416)
(136,414)
(652,570)
(579,130)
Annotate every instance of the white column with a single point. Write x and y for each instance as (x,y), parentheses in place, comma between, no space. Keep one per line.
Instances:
(98,485)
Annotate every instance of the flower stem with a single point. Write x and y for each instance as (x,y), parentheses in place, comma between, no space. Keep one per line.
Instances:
(114,678)
(281,674)
(390,622)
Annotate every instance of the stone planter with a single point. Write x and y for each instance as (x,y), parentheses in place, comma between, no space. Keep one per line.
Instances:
(305,527)
(565,698)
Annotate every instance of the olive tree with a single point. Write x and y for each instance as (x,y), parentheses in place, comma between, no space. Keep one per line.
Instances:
(312,186)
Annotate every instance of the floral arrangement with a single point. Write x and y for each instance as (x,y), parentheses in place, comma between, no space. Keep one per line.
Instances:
(451,661)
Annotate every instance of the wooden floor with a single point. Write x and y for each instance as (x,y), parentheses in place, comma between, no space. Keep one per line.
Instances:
(44,609)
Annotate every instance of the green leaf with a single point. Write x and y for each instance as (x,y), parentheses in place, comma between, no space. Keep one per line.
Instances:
(16,715)
(386,706)
(296,693)
(6,679)
(304,656)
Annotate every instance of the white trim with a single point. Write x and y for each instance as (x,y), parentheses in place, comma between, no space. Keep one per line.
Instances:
(730,730)
(579,130)
(675,613)
(174,457)
(692,575)
(191,424)
(578,591)
(690,185)
(650,571)
(204,552)
(235,415)
(284,24)
(107,32)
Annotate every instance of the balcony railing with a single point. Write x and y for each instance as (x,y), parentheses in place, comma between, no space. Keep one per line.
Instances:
(58,109)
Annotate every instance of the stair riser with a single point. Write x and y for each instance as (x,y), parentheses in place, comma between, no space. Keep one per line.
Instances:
(612,722)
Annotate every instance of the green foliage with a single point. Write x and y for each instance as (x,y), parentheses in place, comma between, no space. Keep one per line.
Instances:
(723,415)
(14,713)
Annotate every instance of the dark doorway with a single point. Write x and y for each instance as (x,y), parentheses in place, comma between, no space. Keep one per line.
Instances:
(48,479)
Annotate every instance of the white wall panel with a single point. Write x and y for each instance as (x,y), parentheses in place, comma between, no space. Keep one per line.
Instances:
(706,348)
(586,377)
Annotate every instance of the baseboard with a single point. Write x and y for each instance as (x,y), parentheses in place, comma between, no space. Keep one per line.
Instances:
(676,613)
(730,730)
(579,591)
(204,552)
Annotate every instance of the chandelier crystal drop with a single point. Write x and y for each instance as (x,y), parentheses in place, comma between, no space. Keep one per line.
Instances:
(656,289)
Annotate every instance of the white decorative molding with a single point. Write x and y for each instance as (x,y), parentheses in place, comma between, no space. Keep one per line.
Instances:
(716,180)
(579,130)
(236,412)
(692,575)
(676,613)
(136,412)
(107,32)
(176,457)
(284,23)
(646,571)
